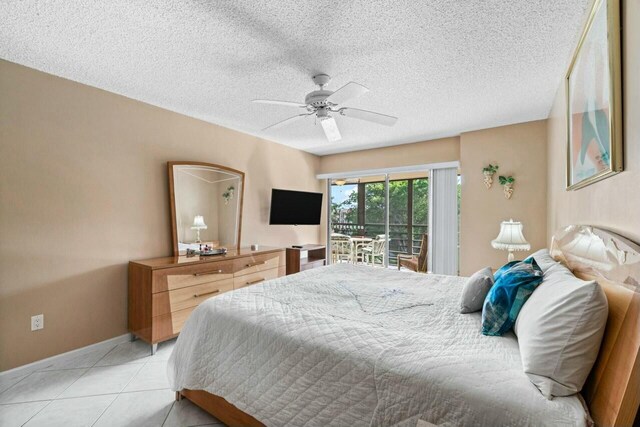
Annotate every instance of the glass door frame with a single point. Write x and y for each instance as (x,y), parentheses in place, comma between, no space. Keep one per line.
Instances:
(386,172)
(386,221)
(385,261)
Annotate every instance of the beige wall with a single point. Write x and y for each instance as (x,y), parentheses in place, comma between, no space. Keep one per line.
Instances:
(613,203)
(83,190)
(418,153)
(519,150)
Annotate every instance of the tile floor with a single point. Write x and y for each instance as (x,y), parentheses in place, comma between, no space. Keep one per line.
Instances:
(119,386)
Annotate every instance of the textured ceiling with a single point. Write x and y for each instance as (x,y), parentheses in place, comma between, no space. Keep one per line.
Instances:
(441,66)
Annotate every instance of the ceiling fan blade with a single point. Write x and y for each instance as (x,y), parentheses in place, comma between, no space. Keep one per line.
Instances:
(331,130)
(276,102)
(347,92)
(370,116)
(286,121)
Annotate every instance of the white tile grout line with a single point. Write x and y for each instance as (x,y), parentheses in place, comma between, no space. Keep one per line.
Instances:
(45,369)
(168,413)
(37,412)
(121,391)
(143,364)
(49,401)
(105,409)
(88,395)
(73,382)
(149,360)
(47,362)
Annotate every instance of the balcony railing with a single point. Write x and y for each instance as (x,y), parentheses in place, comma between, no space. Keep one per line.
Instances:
(399,240)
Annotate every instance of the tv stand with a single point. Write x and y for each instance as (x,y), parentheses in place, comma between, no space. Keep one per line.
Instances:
(296,262)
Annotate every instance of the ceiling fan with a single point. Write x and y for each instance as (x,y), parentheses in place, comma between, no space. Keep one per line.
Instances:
(324,104)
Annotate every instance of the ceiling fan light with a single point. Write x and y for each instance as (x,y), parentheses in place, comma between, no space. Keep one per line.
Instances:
(340,182)
(322,103)
(331,129)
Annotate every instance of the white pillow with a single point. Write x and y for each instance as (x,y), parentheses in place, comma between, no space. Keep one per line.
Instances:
(559,331)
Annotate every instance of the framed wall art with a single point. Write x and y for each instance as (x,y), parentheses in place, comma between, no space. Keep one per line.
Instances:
(594,99)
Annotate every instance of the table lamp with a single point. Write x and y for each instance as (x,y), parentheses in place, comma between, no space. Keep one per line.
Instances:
(198,224)
(511,238)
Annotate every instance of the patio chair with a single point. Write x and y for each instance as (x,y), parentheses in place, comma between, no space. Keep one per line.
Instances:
(375,250)
(340,248)
(413,263)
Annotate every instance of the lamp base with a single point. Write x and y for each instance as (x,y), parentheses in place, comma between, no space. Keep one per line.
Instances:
(511,257)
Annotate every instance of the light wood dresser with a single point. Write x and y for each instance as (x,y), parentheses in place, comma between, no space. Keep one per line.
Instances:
(164,291)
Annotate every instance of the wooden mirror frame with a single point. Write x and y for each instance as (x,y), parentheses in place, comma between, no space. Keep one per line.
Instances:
(172,199)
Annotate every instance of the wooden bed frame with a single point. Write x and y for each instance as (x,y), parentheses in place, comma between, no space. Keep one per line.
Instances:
(612,391)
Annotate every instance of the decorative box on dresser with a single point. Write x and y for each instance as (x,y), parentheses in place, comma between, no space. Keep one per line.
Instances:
(164,291)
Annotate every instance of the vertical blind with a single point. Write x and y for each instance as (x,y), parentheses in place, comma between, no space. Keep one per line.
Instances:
(443,221)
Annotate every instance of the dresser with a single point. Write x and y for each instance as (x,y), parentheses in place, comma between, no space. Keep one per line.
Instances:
(164,291)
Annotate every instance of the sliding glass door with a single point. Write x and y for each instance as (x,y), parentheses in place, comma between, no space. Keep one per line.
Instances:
(376,220)
(345,210)
(408,214)
(380,216)
(358,221)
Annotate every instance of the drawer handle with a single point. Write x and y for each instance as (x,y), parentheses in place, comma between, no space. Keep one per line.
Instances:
(206,293)
(208,272)
(253,282)
(253,264)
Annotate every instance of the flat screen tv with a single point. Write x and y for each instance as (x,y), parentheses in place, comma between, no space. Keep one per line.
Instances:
(295,207)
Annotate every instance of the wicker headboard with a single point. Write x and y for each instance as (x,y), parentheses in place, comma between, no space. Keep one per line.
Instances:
(613,388)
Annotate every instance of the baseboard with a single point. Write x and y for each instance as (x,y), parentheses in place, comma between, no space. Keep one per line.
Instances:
(41,364)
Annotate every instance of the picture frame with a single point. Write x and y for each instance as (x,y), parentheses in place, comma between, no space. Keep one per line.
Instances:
(593,90)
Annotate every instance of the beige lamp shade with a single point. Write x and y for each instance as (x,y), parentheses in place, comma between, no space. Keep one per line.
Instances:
(198,223)
(511,238)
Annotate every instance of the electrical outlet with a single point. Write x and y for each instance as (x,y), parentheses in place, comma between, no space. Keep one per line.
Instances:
(37,322)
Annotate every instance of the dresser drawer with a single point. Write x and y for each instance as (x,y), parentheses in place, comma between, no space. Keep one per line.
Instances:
(255,278)
(169,279)
(169,325)
(258,263)
(163,292)
(179,299)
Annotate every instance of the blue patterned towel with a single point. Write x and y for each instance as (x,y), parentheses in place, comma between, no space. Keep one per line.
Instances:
(514,283)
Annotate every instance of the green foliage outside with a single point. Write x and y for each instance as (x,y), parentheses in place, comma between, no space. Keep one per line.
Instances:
(374,204)
(398,215)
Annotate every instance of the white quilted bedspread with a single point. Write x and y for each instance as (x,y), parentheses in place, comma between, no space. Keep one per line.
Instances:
(349,345)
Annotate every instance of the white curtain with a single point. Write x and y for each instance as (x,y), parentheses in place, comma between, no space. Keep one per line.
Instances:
(443,221)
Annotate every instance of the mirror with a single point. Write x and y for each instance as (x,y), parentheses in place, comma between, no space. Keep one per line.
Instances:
(206,205)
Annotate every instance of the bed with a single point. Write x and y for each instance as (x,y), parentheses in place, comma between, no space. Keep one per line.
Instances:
(352,345)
